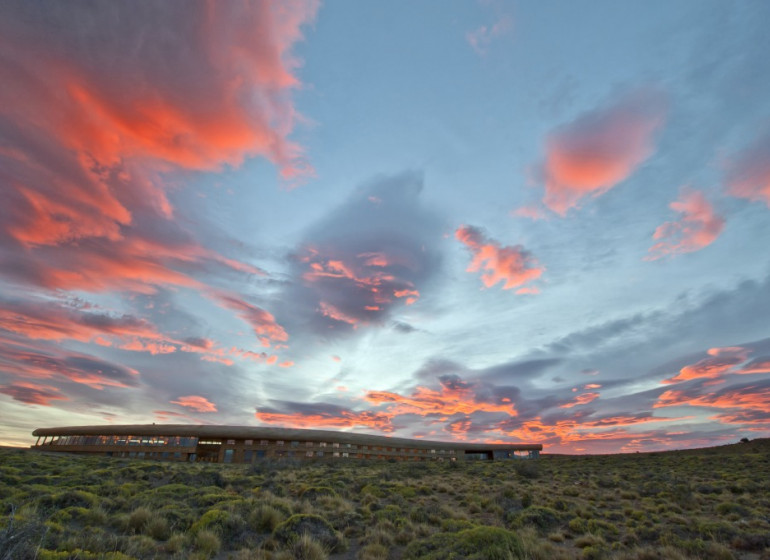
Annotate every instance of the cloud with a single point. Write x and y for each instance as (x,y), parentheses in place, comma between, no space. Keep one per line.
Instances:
(263,323)
(720,362)
(32,393)
(482,37)
(96,373)
(453,397)
(105,107)
(585,398)
(746,397)
(601,148)
(314,415)
(758,365)
(698,227)
(364,261)
(513,266)
(195,402)
(748,174)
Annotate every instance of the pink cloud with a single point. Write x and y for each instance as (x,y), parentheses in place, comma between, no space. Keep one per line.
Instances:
(513,266)
(600,148)
(32,393)
(197,403)
(748,175)
(262,322)
(585,398)
(482,37)
(697,227)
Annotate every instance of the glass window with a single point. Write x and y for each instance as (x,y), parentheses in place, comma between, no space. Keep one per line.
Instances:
(279,442)
(336,454)
(345,454)
(308,453)
(230,442)
(335,444)
(295,444)
(322,444)
(249,442)
(247,455)
(228,455)
(319,453)
(263,442)
(308,444)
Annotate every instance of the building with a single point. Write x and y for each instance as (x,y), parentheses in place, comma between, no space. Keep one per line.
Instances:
(246,444)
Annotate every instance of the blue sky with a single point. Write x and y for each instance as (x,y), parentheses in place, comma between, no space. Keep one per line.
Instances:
(492,221)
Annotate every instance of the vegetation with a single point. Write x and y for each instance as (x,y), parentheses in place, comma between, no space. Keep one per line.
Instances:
(709,503)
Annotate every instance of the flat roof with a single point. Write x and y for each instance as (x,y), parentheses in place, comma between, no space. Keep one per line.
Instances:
(259,432)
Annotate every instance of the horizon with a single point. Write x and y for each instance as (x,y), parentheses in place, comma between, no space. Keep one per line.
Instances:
(487,221)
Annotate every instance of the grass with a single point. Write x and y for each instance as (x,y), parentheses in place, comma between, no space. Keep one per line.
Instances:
(697,504)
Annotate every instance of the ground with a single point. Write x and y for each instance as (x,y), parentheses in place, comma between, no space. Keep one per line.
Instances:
(711,503)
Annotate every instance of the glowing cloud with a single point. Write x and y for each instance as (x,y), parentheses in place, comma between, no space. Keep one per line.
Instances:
(600,148)
(585,398)
(197,403)
(303,415)
(698,227)
(32,393)
(513,266)
(722,361)
(748,176)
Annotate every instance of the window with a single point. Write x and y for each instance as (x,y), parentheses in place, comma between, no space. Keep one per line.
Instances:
(228,455)
(319,453)
(279,442)
(247,455)
(336,454)
(263,442)
(230,442)
(295,444)
(322,444)
(365,447)
(345,454)
(335,444)
(308,444)
(249,442)
(308,453)
(433,451)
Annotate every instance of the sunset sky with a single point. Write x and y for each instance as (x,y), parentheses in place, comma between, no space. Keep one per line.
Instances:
(452,220)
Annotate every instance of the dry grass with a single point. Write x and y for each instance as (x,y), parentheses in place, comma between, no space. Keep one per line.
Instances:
(700,504)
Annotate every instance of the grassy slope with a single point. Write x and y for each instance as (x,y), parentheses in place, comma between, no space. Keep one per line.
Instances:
(709,503)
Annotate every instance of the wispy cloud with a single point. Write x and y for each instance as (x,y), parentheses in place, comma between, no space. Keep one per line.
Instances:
(697,227)
(514,266)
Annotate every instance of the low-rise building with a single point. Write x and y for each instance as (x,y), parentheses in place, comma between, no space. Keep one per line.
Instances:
(247,444)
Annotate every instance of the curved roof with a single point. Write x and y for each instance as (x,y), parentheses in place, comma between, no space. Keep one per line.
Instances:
(257,432)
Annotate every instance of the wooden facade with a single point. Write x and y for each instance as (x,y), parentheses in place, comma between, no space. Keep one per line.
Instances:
(245,444)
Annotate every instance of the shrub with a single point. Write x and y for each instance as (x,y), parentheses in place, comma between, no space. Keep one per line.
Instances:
(479,543)
(314,525)
(306,548)
(541,517)
(138,519)
(265,518)
(314,492)
(373,552)
(207,542)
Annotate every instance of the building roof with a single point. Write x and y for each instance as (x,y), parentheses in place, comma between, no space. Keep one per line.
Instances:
(257,432)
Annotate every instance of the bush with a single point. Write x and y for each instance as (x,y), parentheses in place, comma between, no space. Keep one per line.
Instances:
(479,543)
(306,548)
(315,526)
(207,542)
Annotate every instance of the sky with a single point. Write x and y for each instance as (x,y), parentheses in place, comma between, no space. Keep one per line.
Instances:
(451,220)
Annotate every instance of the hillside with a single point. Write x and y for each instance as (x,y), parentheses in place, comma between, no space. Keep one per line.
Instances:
(705,503)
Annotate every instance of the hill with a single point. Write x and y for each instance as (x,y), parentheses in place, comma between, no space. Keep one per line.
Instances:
(702,503)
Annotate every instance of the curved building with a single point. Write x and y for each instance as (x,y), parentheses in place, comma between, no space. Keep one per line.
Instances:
(246,444)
